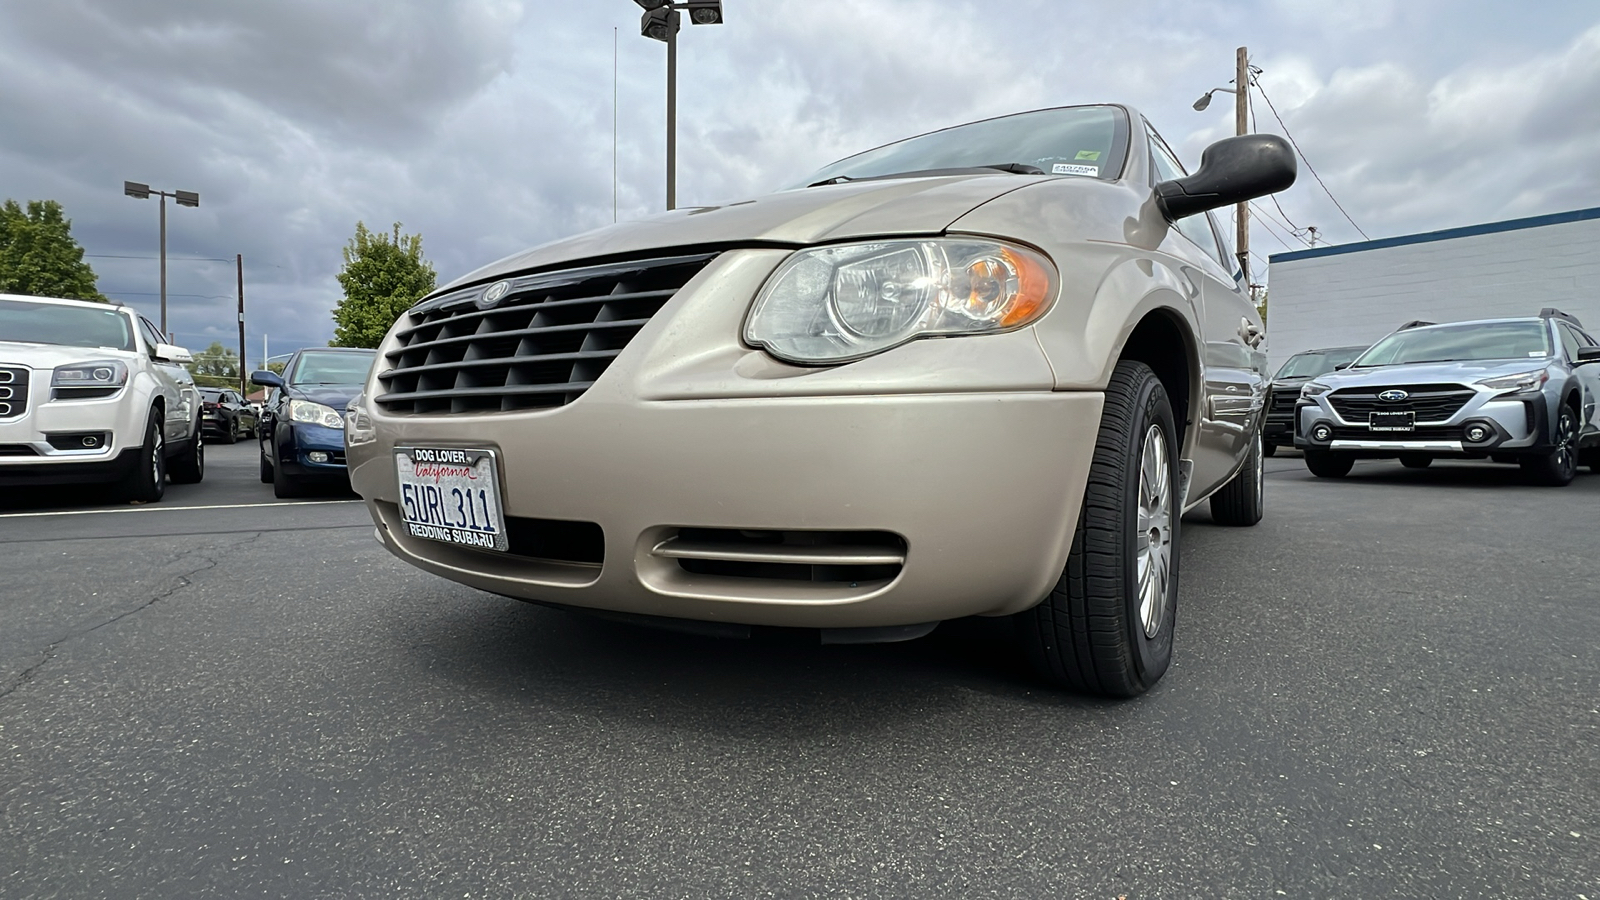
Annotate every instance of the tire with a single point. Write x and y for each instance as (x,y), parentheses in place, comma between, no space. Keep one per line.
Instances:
(230,435)
(1269,449)
(1240,501)
(1561,465)
(1098,632)
(266,469)
(1416,460)
(284,487)
(1325,464)
(148,480)
(189,467)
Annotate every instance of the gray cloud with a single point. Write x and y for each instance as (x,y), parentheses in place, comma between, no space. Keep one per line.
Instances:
(487,124)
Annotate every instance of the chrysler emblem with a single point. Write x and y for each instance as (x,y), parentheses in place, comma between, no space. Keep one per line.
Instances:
(1392,396)
(492,294)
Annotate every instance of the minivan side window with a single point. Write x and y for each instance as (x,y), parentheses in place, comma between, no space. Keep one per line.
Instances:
(1197,228)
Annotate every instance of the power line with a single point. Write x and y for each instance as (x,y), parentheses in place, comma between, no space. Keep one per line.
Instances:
(1307,161)
(180,258)
(1274,232)
(1266,216)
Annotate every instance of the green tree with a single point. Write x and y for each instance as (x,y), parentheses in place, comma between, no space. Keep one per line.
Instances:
(382,278)
(215,366)
(38,255)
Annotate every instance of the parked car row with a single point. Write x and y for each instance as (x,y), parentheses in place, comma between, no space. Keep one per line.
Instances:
(1518,390)
(91,394)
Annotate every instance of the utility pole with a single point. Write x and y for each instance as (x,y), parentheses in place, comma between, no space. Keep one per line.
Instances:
(244,378)
(672,109)
(1241,125)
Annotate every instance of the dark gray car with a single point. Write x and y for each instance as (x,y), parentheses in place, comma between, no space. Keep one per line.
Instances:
(1515,390)
(1285,391)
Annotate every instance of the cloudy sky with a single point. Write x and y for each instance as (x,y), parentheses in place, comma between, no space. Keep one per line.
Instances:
(486,125)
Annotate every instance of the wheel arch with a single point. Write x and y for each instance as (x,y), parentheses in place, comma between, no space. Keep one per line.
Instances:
(1162,340)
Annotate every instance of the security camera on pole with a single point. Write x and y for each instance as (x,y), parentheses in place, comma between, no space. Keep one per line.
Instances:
(660,23)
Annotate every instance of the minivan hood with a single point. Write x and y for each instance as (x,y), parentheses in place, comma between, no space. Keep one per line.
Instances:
(896,206)
(1431,373)
(48,356)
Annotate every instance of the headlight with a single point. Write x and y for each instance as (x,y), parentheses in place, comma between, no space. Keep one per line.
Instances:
(1313,389)
(315,414)
(357,424)
(103,373)
(1524,381)
(836,304)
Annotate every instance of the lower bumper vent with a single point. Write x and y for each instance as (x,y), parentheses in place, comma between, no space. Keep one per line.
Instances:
(853,557)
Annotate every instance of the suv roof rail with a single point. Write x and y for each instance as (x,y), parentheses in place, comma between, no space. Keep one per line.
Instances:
(1415,323)
(1550,312)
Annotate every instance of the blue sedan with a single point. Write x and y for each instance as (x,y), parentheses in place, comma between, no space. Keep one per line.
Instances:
(302,424)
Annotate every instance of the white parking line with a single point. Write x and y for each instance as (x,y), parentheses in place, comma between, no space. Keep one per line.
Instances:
(157,508)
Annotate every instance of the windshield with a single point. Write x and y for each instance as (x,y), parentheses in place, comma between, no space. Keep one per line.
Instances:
(1073,140)
(210,394)
(1312,363)
(343,367)
(1460,343)
(70,326)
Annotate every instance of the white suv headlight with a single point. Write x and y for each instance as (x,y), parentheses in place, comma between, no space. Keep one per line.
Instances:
(315,414)
(101,373)
(842,303)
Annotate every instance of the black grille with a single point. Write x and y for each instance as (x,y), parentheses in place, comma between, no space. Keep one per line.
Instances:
(18,450)
(1283,401)
(1431,402)
(13,391)
(546,341)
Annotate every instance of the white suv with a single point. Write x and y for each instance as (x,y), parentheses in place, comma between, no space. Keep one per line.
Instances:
(90,393)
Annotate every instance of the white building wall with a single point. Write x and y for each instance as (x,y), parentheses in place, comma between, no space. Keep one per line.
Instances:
(1358,296)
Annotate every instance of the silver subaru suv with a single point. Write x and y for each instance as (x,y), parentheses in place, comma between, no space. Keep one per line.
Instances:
(1513,390)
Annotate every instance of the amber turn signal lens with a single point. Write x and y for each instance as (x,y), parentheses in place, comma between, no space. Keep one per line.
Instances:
(1033,289)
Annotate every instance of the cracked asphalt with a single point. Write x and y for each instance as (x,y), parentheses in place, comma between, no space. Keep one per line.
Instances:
(1389,688)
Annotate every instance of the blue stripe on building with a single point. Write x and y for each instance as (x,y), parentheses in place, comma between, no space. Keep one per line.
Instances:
(1577,215)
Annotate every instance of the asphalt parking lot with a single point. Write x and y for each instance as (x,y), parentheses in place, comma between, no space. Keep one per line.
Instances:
(1389,688)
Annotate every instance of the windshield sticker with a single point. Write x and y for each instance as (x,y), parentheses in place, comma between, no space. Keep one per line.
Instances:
(1535,355)
(1066,169)
(1090,155)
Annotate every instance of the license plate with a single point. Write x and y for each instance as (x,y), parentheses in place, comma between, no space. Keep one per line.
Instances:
(1392,421)
(451,495)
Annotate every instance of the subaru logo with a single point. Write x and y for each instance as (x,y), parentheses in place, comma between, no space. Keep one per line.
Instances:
(492,294)
(1392,396)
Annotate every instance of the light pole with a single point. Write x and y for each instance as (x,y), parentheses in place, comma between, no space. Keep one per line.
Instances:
(185,198)
(1241,125)
(660,23)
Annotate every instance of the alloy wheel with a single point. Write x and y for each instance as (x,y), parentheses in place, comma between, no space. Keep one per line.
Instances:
(1154,537)
(1566,439)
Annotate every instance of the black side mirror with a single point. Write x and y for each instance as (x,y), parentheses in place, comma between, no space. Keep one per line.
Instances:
(1588,355)
(1232,170)
(266,378)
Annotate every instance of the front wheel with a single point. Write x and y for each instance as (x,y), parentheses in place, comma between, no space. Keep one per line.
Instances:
(266,468)
(1239,502)
(230,435)
(148,480)
(1106,627)
(1561,465)
(284,487)
(1324,464)
(189,466)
